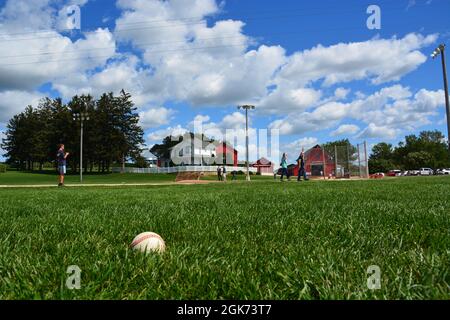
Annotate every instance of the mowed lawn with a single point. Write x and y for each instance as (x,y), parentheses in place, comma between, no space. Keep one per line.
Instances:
(15,178)
(51,178)
(264,240)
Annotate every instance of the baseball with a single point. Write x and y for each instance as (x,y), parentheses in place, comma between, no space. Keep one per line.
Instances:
(149,242)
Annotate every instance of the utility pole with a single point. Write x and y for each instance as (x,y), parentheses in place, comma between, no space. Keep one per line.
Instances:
(359,161)
(82,117)
(366,157)
(441,50)
(335,162)
(246,108)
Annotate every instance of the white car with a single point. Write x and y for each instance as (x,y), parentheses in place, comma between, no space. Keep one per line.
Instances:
(426,172)
(444,171)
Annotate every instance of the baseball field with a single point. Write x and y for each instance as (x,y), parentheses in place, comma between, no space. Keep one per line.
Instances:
(263,240)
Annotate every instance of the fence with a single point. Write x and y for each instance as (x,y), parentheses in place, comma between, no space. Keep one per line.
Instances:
(171,170)
(344,161)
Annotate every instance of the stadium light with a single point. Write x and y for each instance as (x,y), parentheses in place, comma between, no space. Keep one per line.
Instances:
(246,108)
(82,117)
(441,51)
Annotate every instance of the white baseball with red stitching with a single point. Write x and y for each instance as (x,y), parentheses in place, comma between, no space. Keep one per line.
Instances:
(148,242)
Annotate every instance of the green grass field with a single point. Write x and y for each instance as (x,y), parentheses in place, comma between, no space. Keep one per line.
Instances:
(264,240)
(15,178)
(51,178)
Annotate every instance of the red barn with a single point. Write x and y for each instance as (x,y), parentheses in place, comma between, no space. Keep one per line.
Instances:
(225,154)
(318,163)
(264,166)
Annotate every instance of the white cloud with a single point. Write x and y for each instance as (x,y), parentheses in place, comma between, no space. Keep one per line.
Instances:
(14,102)
(155,117)
(374,131)
(211,64)
(391,107)
(235,120)
(345,129)
(158,136)
(37,14)
(323,117)
(194,62)
(380,60)
(32,59)
(341,93)
(285,99)
(304,143)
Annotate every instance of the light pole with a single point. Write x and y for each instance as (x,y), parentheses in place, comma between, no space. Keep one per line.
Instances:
(82,117)
(246,108)
(441,51)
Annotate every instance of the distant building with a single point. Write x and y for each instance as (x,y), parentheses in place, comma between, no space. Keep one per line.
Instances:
(152,160)
(264,166)
(196,150)
(318,163)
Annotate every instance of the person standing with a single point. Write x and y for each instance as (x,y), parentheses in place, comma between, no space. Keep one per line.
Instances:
(224,174)
(61,158)
(219,173)
(284,167)
(301,167)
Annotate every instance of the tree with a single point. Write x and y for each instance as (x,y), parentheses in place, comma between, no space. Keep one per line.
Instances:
(381,159)
(141,162)
(418,160)
(112,133)
(382,151)
(15,141)
(162,151)
(429,149)
(345,150)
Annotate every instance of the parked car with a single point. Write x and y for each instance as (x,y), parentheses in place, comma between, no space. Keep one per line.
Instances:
(291,171)
(426,172)
(443,172)
(379,175)
(413,172)
(394,173)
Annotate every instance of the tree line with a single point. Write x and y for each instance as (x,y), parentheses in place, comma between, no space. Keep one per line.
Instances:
(428,150)
(111,135)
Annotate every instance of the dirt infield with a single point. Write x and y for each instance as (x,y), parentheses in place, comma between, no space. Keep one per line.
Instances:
(189,176)
(189,182)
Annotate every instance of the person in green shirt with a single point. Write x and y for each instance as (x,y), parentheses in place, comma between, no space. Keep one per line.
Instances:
(284,167)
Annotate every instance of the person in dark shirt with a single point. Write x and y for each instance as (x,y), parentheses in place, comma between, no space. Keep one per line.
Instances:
(301,167)
(219,173)
(61,158)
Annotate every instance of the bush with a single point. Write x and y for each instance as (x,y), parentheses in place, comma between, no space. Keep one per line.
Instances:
(2,168)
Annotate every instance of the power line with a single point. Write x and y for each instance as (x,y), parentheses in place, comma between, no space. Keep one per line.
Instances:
(175,25)
(195,18)
(182,50)
(149,45)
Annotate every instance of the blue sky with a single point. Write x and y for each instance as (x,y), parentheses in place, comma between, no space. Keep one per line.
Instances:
(313,69)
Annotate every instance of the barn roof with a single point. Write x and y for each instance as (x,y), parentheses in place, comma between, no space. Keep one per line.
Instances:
(263,162)
(316,154)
